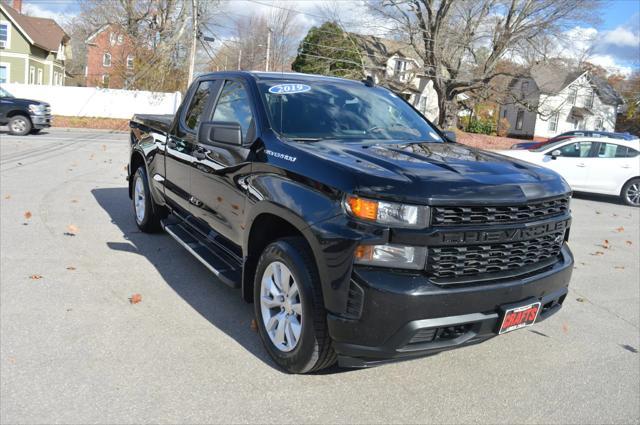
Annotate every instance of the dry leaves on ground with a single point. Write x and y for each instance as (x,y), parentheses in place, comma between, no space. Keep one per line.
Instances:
(7,197)
(565,327)
(628,243)
(135,298)
(70,268)
(254,325)
(619,267)
(606,245)
(620,229)
(597,253)
(35,277)
(72,230)
(27,215)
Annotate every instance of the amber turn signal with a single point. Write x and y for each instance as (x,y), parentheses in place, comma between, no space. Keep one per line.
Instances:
(363,208)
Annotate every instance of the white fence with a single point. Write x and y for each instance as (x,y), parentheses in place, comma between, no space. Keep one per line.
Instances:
(97,102)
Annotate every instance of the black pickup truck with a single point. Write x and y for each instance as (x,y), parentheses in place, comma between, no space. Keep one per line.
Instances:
(360,232)
(23,116)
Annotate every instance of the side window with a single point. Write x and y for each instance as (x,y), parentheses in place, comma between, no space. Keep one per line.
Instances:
(199,100)
(610,150)
(234,106)
(575,150)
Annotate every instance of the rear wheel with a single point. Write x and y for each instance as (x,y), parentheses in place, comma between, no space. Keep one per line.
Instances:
(289,308)
(146,215)
(19,125)
(631,193)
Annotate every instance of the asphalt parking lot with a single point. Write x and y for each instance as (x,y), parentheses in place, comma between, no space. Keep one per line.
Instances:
(73,349)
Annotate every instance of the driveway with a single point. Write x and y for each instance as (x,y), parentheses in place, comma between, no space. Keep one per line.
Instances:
(73,349)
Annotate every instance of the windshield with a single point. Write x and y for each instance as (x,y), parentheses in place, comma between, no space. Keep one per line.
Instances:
(4,93)
(316,110)
(550,145)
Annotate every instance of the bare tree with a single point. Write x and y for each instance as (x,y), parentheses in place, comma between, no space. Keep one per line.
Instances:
(461,43)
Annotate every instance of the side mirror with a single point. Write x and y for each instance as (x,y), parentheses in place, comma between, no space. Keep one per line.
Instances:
(220,132)
(556,153)
(450,136)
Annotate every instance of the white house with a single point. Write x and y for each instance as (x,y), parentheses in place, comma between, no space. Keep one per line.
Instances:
(552,100)
(397,66)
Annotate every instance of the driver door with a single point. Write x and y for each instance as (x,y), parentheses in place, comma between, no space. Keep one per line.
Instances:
(218,168)
(571,162)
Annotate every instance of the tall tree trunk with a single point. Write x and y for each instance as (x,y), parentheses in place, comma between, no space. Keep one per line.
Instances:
(447,108)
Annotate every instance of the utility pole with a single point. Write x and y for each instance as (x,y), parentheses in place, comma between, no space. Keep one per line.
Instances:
(239,59)
(194,40)
(226,58)
(266,66)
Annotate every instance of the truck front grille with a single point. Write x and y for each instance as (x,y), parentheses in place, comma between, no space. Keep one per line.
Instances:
(457,216)
(450,263)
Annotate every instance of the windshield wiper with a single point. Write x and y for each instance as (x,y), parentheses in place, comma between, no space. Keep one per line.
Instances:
(305,139)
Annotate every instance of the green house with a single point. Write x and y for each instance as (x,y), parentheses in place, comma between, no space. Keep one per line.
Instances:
(32,50)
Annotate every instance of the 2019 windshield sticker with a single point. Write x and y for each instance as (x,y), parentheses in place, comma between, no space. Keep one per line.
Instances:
(281,156)
(289,88)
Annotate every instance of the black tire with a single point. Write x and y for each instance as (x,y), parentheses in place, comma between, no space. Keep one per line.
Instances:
(19,125)
(149,219)
(629,193)
(314,350)
(35,130)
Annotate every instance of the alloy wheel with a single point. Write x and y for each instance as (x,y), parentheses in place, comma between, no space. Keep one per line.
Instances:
(633,193)
(19,125)
(281,306)
(139,199)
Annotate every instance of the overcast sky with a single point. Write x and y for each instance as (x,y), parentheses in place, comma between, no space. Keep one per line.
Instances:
(614,44)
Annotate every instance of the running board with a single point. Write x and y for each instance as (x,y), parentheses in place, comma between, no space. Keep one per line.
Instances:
(213,257)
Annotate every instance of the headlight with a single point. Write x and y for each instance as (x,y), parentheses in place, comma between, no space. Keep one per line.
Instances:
(388,213)
(393,256)
(37,109)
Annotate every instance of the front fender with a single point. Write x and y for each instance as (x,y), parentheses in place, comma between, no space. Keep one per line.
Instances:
(318,215)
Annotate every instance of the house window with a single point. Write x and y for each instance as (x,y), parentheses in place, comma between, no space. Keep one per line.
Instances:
(599,125)
(573,92)
(4,74)
(589,102)
(105,81)
(112,38)
(40,76)
(504,113)
(130,62)
(553,122)
(524,88)
(32,75)
(400,69)
(422,104)
(4,35)
(120,39)
(519,120)
(106,59)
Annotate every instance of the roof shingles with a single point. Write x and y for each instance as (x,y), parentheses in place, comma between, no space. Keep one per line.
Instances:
(44,32)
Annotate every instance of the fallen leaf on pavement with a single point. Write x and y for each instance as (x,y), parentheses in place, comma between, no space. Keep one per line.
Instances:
(27,215)
(73,229)
(254,325)
(620,229)
(598,212)
(135,298)
(7,197)
(619,267)
(74,201)
(70,268)
(597,253)
(605,245)
(104,147)
(565,328)
(11,359)
(35,277)
(629,243)
(580,300)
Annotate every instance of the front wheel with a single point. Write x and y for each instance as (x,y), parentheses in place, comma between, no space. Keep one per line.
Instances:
(289,308)
(146,215)
(19,125)
(631,193)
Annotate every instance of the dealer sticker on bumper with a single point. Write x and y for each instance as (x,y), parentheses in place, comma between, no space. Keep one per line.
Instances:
(519,317)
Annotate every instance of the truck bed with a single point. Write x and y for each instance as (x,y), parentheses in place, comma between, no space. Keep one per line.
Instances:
(160,123)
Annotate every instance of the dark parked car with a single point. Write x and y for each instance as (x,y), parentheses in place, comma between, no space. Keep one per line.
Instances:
(574,133)
(361,232)
(23,116)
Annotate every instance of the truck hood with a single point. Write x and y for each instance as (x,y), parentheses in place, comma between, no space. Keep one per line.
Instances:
(438,172)
(23,101)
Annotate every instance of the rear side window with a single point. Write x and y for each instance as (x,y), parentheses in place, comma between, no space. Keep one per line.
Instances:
(610,150)
(234,106)
(198,102)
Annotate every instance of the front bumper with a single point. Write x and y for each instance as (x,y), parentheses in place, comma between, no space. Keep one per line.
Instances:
(41,121)
(404,315)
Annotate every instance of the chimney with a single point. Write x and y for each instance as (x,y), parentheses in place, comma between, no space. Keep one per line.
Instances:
(17,5)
